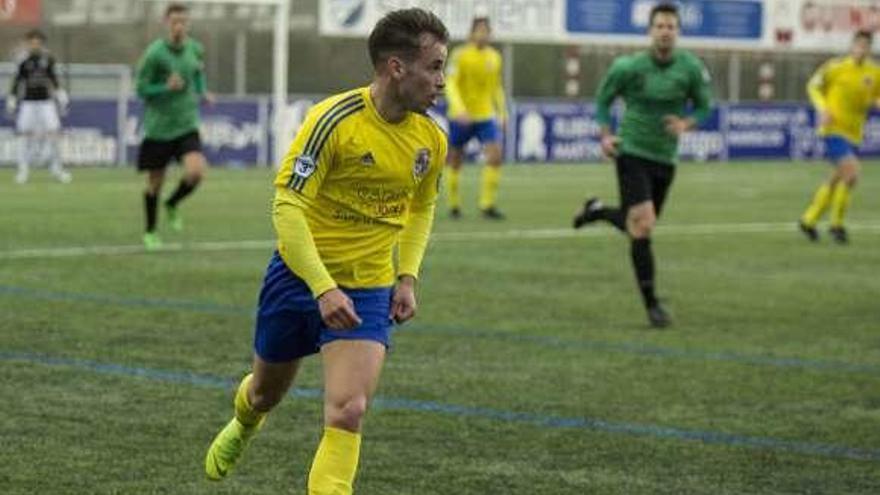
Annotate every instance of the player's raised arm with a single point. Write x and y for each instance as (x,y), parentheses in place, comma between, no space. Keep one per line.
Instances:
(817,85)
(456,108)
(12,97)
(59,93)
(302,172)
(609,89)
(147,84)
(701,95)
(414,236)
(499,97)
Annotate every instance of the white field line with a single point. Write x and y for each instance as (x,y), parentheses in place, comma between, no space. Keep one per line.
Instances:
(515,235)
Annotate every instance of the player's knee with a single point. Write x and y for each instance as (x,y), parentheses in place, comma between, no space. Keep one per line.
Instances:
(641,231)
(347,414)
(850,176)
(493,156)
(193,178)
(852,180)
(265,400)
(641,225)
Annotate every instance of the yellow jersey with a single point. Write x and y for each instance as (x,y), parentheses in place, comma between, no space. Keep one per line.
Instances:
(847,91)
(474,84)
(365,186)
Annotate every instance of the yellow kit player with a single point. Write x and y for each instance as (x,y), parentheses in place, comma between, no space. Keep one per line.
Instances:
(475,96)
(843,90)
(359,183)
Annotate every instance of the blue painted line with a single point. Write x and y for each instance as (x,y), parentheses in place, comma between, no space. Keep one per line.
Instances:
(420,406)
(635,348)
(665,352)
(136,302)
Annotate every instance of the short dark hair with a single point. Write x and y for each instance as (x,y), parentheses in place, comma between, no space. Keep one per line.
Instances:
(664,8)
(400,31)
(35,34)
(480,20)
(864,34)
(176,8)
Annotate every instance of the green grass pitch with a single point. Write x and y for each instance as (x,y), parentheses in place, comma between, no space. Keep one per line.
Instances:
(529,370)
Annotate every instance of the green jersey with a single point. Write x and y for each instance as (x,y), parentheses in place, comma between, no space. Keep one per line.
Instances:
(652,90)
(170,114)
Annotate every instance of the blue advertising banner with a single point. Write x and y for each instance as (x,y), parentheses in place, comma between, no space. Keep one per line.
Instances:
(556,132)
(756,131)
(706,143)
(237,132)
(234,133)
(725,19)
(90,133)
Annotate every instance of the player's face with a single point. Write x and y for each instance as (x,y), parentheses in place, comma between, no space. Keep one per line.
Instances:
(861,48)
(422,80)
(481,34)
(178,26)
(664,31)
(34,44)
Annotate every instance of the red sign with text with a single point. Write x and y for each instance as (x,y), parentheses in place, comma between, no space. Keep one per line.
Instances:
(21,12)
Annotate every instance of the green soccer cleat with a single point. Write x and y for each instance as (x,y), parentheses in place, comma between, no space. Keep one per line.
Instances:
(174,219)
(227,447)
(152,241)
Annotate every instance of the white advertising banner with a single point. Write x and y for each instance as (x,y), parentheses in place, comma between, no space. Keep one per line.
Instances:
(512,20)
(801,25)
(820,25)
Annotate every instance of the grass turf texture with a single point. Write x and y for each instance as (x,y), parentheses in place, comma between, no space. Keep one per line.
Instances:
(775,339)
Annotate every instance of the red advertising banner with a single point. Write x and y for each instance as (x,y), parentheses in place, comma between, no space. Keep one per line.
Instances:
(21,12)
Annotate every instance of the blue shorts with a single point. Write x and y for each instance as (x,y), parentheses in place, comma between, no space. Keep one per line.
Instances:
(289,324)
(838,147)
(485,130)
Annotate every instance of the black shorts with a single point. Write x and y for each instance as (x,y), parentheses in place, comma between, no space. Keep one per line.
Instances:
(155,154)
(640,180)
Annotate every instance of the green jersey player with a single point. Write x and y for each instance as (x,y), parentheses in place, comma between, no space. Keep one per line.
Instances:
(171,82)
(666,91)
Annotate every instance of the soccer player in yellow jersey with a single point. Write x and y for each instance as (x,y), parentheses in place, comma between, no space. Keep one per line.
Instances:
(358,184)
(843,90)
(476,107)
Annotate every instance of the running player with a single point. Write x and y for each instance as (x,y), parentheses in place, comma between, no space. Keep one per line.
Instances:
(359,180)
(843,90)
(657,86)
(171,81)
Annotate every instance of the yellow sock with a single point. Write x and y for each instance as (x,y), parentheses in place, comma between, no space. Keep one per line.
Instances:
(821,201)
(840,200)
(246,414)
(335,463)
(453,178)
(489,186)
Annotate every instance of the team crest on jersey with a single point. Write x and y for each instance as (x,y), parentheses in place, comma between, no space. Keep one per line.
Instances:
(304,166)
(422,162)
(868,81)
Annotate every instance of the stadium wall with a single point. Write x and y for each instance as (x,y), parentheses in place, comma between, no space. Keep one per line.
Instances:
(236,132)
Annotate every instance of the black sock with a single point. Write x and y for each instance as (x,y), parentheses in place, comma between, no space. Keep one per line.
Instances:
(614,216)
(643,262)
(184,189)
(151,201)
